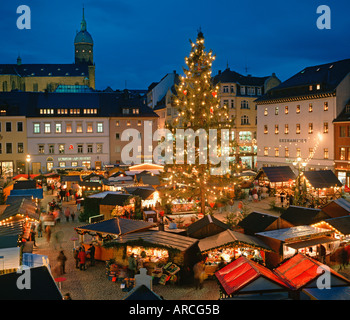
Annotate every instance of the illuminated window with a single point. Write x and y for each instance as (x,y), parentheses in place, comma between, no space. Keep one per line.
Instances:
(325,106)
(99,127)
(286,129)
(286,109)
(286,152)
(89,127)
(139,123)
(325,153)
(310,107)
(298,128)
(325,127)
(276,129)
(342,153)
(265,112)
(79,127)
(311,152)
(311,128)
(61,148)
(99,148)
(266,129)
(276,110)
(298,108)
(41,149)
(266,151)
(298,153)
(47,127)
(277,152)
(36,128)
(68,127)
(58,127)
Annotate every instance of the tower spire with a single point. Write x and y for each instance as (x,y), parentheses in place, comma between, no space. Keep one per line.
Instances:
(83,22)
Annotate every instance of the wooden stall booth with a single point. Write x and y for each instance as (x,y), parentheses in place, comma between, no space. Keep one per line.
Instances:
(229,245)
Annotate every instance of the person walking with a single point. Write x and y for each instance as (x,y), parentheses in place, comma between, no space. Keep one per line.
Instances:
(72,215)
(82,258)
(76,258)
(48,234)
(40,229)
(343,259)
(199,274)
(62,262)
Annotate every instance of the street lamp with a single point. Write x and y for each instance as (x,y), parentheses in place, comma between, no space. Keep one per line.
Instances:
(299,164)
(28,159)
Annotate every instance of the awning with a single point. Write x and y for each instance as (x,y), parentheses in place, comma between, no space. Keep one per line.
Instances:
(277,174)
(310,243)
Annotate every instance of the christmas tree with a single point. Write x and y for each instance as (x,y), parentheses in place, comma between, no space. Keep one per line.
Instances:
(198,172)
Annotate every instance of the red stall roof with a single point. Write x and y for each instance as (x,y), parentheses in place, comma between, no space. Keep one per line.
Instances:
(300,270)
(242,272)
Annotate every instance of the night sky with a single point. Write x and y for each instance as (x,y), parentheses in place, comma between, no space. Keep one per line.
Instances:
(137,42)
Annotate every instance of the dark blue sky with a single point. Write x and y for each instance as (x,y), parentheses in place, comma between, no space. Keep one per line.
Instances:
(140,41)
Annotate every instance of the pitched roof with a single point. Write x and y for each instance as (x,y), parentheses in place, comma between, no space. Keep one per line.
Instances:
(36,193)
(277,174)
(322,179)
(116,226)
(156,237)
(229,76)
(303,216)
(144,193)
(229,237)
(42,286)
(115,199)
(23,206)
(341,224)
(256,222)
(328,76)
(14,228)
(300,270)
(25,184)
(205,221)
(241,272)
(142,293)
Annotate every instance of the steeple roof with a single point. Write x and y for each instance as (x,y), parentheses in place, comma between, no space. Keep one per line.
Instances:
(83,36)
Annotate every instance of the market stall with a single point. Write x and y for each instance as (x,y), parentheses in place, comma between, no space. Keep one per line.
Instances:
(322,185)
(205,227)
(277,178)
(228,245)
(316,242)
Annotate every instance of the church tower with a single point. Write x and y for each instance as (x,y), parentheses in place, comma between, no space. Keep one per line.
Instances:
(83,44)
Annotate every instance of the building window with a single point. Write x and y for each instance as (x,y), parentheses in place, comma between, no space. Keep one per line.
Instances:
(99,148)
(276,111)
(244,104)
(79,127)
(311,128)
(245,120)
(298,108)
(117,123)
(286,152)
(19,126)
(325,153)
(325,127)
(125,111)
(8,147)
(311,152)
(117,136)
(266,131)
(36,128)
(243,90)
(51,148)
(276,129)
(286,109)
(265,112)
(342,153)
(61,164)
(139,123)
(20,147)
(80,148)
(232,104)
(8,126)
(136,111)
(89,127)
(286,129)
(325,106)
(89,148)
(225,89)
(225,103)
(68,128)
(258,91)
(232,89)
(318,87)
(41,149)
(99,127)
(47,127)
(298,128)
(128,123)
(298,153)
(342,131)
(266,151)
(277,152)
(86,164)
(58,127)
(61,148)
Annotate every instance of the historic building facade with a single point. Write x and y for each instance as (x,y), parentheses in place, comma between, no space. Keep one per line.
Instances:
(295,119)
(239,93)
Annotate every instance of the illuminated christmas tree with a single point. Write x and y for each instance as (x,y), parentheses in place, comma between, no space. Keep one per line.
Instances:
(201,135)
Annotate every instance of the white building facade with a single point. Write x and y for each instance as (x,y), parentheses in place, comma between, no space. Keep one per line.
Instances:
(294,121)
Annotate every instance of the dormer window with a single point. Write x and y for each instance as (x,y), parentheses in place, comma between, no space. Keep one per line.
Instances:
(318,87)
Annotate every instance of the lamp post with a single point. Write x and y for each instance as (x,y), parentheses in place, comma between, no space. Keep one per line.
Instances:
(299,164)
(28,159)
